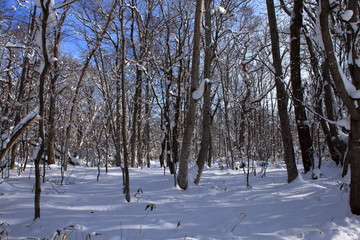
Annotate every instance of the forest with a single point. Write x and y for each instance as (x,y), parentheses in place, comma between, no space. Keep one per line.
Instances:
(181,87)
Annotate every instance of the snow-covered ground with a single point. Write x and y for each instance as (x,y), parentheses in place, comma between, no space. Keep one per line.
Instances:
(221,207)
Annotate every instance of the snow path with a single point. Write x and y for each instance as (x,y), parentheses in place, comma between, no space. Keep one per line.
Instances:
(221,207)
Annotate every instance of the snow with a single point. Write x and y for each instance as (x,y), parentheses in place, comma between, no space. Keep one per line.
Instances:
(220,207)
(198,93)
(221,10)
(347,15)
(38,3)
(349,86)
(344,122)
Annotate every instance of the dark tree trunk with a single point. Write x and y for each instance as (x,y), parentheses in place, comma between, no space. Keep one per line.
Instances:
(323,86)
(45,11)
(53,80)
(353,39)
(338,144)
(355,167)
(306,144)
(135,120)
(25,68)
(351,104)
(282,99)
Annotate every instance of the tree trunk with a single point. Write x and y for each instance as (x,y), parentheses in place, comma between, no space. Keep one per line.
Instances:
(22,87)
(191,112)
(306,144)
(134,141)
(338,144)
(125,169)
(9,100)
(353,38)
(282,99)
(229,140)
(45,12)
(146,133)
(206,122)
(351,104)
(135,120)
(53,80)
(355,167)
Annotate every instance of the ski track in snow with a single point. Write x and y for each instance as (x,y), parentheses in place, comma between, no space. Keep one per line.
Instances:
(221,207)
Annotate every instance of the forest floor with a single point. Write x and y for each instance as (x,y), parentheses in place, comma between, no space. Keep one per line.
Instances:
(220,207)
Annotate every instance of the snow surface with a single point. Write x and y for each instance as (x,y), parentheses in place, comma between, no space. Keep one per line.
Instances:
(221,207)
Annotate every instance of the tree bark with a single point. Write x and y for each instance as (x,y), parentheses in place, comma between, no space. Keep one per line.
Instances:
(52,104)
(355,166)
(305,140)
(206,122)
(351,104)
(282,99)
(338,144)
(191,112)
(44,15)
(125,169)
(353,38)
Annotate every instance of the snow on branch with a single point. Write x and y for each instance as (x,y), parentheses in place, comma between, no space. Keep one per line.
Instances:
(349,86)
(65,4)
(20,128)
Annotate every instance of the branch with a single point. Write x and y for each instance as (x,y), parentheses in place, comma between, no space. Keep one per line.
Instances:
(343,85)
(19,129)
(64,4)
(285,8)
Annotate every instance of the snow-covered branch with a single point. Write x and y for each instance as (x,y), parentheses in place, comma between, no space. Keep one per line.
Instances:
(20,128)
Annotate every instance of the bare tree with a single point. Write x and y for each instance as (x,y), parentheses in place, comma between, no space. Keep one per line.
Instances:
(306,144)
(191,111)
(96,45)
(206,121)
(347,90)
(125,169)
(53,80)
(46,19)
(282,98)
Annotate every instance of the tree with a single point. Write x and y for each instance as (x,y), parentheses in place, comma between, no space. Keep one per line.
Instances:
(191,111)
(53,80)
(347,90)
(46,22)
(125,169)
(206,121)
(74,100)
(282,99)
(306,144)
